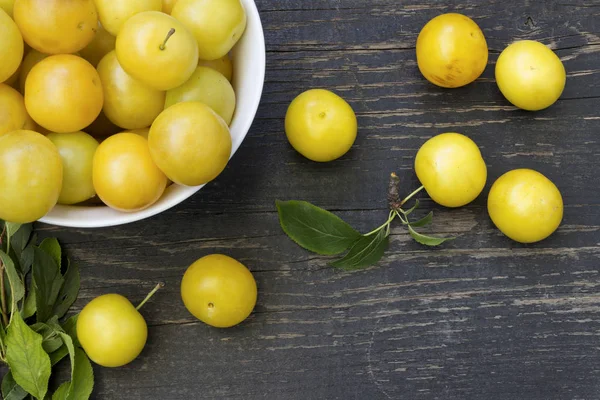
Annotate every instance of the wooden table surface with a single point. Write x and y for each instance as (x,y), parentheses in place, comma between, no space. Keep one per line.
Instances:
(481,317)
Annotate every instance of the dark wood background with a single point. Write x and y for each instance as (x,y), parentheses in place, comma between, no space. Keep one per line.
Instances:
(482,317)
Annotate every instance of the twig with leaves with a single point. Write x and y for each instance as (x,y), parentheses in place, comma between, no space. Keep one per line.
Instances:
(322,232)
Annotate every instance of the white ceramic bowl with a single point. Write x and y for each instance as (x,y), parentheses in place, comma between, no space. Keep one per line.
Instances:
(249,60)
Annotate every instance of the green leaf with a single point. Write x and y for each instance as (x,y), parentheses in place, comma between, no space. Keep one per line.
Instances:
(426,220)
(54,324)
(70,350)
(12,228)
(426,240)
(70,347)
(62,391)
(29,305)
(51,344)
(19,241)
(315,229)
(82,381)
(10,389)
(413,208)
(21,238)
(82,375)
(52,247)
(365,252)
(29,363)
(51,341)
(47,282)
(2,337)
(70,327)
(17,289)
(68,291)
(26,259)
(58,355)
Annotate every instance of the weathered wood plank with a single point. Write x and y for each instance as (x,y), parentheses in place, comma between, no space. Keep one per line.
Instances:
(447,316)
(327,25)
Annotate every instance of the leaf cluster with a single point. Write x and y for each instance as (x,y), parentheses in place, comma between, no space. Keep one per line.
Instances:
(38,285)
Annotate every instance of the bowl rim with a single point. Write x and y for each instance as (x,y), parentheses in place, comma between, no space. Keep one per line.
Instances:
(184,193)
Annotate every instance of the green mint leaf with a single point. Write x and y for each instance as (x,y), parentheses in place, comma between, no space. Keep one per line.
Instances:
(315,229)
(29,363)
(426,240)
(62,391)
(426,220)
(52,247)
(10,389)
(367,251)
(17,289)
(47,282)
(68,291)
(413,208)
(29,305)
(82,382)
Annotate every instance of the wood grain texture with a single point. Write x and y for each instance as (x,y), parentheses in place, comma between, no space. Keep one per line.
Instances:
(480,317)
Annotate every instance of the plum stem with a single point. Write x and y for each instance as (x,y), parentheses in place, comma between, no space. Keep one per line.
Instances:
(410,196)
(387,223)
(158,286)
(169,34)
